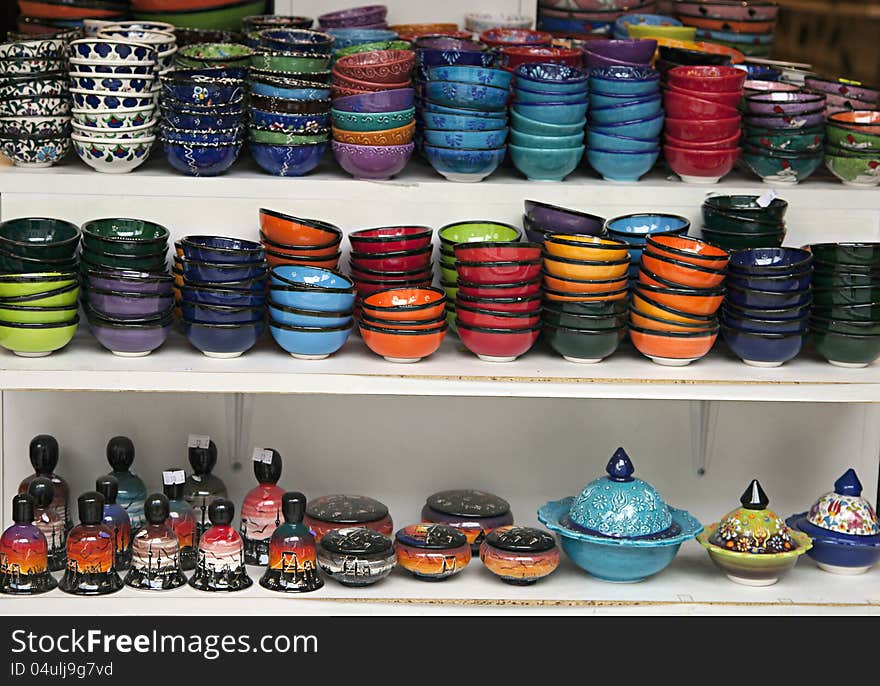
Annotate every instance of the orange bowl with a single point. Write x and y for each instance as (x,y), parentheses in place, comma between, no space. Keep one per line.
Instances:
(562,296)
(672,348)
(405,304)
(399,136)
(301,250)
(414,325)
(686,300)
(401,345)
(276,260)
(295,231)
(652,323)
(410,31)
(584,270)
(556,283)
(644,304)
(681,273)
(588,248)
(690,250)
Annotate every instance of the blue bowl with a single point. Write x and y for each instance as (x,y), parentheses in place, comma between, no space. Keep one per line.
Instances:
(237,73)
(455,122)
(289,93)
(317,299)
(604,141)
(465,139)
(206,137)
(838,550)
(203,122)
(551,113)
(767,261)
(626,167)
(118,69)
(201,160)
(345,38)
(216,272)
(462,111)
(782,283)
(221,249)
(310,343)
(293,316)
(467,95)
(116,83)
(752,325)
(296,40)
(460,164)
(290,123)
(635,228)
(523,124)
(598,99)
(471,74)
(203,91)
(288,160)
(221,296)
(551,77)
(629,111)
(549,164)
(762,313)
(233,108)
(762,349)
(220,314)
(523,95)
(438,57)
(637,81)
(639,128)
(771,300)
(526,140)
(222,340)
(311,278)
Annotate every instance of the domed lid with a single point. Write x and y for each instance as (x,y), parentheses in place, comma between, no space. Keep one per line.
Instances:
(431,536)
(468,503)
(346,509)
(356,541)
(753,528)
(619,505)
(844,510)
(521,539)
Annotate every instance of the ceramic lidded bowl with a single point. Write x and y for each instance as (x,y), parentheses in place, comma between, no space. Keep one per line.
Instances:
(331,512)
(432,552)
(619,528)
(844,528)
(751,544)
(474,513)
(520,555)
(356,556)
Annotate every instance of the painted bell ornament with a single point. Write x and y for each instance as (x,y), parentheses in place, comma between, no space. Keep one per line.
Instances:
(155,551)
(116,519)
(44,454)
(220,565)
(131,488)
(292,565)
(91,552)
(261,507)
(48,520)
(202,487)
(181,517)
(356,556)
(24,553)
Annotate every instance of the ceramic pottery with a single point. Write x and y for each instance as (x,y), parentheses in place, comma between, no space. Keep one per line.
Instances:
(43,452)
(356,556)
(474,513)
(132,491)
(202,487)
(619,528)
(432,552)
(220,565)
(261,508)
(520,555)
(292,563)
(46,519)
(155,551)
(116,519)
(751,544)
(181,517)
(24,553)
(91,552)
(844,528)
(344,511)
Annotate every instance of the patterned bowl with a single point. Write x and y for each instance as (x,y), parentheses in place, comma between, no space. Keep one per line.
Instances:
(35,151)
(288,160)
(381,66)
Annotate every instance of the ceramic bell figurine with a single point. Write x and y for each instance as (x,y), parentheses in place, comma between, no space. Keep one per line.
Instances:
(132,491)
(331,512)
(751,544)
(181,517)
(432,552)
(24,553)
(619,528)
(292,565)
(44,452)
(520,555)
(261,507)
(843,527)
(357,556)
(155,552)
(47,520)
(474,513)
(202,487)
(116,519)
(91,552)
(220,565)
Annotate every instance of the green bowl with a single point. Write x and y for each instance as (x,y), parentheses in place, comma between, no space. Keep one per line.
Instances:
(451,319)
(32,314)
(849,295)
(793,140)
(588,322)
(59,297)
(450,275)
(743,241)
(125,236)
(858,254)
(447,257)
(862,171)
(451,289)
(36,340)
(224,18)
(581,345)
(728,223)
(477,232)
(845,326)
(371,121)
(10,264)
(538,128)
(842,280)
(279,61)
(595,308)
(851,140)
(147,263)
(746,206)
(39,238)
(282,138)
(15,285)
(846,349)
(376,45)
(781,168)
(869,312)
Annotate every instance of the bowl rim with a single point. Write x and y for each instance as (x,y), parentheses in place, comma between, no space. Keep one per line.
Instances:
(370,319)
(498,263)
(192,240)
(592,296)
(686,292)
(46,308)
(391,254)
(229,309)
(772,335)
(53,325)
(482,245)
(681,263)
(469,284)
(407,308)
(688,325)
(589,263)
(52,244)
(566,239)
(316,224)
(294,259)
(424,231)
(440,328)
(128,294)
(671,310)
(651,241)
(801,292)
(310,329)
(309,313)
(499,331)
(162,238)
(513,300)
(39,277)
(273,273)
(488,222)
(708,333)
(634,215)
(207,325)
(500,313)
(268,243)
(382,274)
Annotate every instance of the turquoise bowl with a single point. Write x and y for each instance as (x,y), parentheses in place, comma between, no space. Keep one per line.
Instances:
(527,140)
(465,139)
(782,168)
(628,111)
(551,112)
(625,167)
(619,80)
(606,141)
(523,124)
(468,95)
(457,122)
(609,100)
(548,164)
(485,76)
(524,95)
(371,121)
(639,128)
(463,111)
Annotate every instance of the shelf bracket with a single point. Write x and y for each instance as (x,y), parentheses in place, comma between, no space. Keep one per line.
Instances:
(239,415)
(704,418)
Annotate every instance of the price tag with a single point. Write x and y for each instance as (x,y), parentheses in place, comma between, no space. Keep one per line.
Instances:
(765,199)
(263,455)
(172,477)
(196,441)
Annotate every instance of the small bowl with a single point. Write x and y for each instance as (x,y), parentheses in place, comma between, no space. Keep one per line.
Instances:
(781,282)
(482,318)
(707,78)
(700,166)
(563,220)
(498,345)
(681,273)
(220,314)
(704,130)
(843,350)
(634,229)
(763,349)
(222,341)
(33,314)
(379,162)
(622,167)
(672,348)
(527,304)
(122,305)
(590,248)
(473,231)
(586,270)
(36,340)
(396,261)
(464,164)
(522,289)
(310,342)
(403,345)
(770,261)
(498,272)
(549,164)
(293,316)
(522,123)
(773,300)
(201,159)
(288,160)
(220,249)
(576,286)
(551,112)
(216,272)
(689,250)
(621,80)
(390,239)
(702,302)
(222,296)
(130,338)
(583,346)
(288,230)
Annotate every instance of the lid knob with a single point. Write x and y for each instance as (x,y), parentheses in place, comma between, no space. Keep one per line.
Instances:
(42,490)
(268,472)
(619,467)
(754,498)
(23,509)
(203,460)
(156,509)
(293,506)
(848,484)
(91,508)
(43,452)
(221,512)
(108,487)
(120,453)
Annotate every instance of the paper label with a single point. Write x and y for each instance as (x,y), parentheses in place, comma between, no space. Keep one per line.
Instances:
(765,199)
(172,477)
(196,441)
(263,455)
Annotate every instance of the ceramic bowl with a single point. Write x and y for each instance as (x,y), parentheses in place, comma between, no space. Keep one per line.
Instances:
(612,143)
(552,78)
(403,345)
(494,272)
(477,232)
(846,349)
(524,125)
(690,250)
(700,166)
(39,238)
(466,95)
(127,281)
(483,318)
(220,249)
(629,81)
(218,272)
(35,151)
(525,95)
(372,162)
(394,100)
(860,171)
(635,228)
(548,164)
(551,112)
(743,208)
(629,110)
(222,341)
(783,103)
(680,273)
(399,261)
(34,314)
(390,239)
(767,282)
(773,300)
(317,299)
(134,305)
(114,119)
(638,128)
(125,236)
(496,344)
(215,295)
(583,346)
(288,230)
(781,168)
(380,66)
(495,251)
(201,159)
(220,314)
(524,289)
(705,130)
(577,247)
(115,50)
(463,164)
(405,304)
(514,304)
(36,340)
(490,139)
(129,338)
(851,254)
(453,122)
(701,302)
(707,78)
(621,166)
(310,342)
(288,160)
(672,348)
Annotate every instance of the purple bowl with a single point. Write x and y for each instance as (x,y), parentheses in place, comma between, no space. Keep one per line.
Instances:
(784,103)
(448,43)
(372,162)
(563,220)
(129,281)
(354,16)
(639,50)
(785,121)
(130,339)
(122,305)
(839,87)
(384,101)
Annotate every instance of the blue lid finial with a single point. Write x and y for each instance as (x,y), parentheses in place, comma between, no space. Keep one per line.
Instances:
(848,484)
(619,467)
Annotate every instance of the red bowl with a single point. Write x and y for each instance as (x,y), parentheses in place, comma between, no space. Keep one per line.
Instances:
(387,239)
(379,275)
(700,164)
(531,303)
(366,287)
(498,272)
(377,66)
(679,106)
(489,251)
(716,79)
(728,98)
(398,261)
(497,345)
(496,320)
(699,131)
(512,57)
(505,290)
(721,144)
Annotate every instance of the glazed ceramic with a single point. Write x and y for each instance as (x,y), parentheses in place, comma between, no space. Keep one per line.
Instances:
(474,513)
(220,566)
(356,556)
(332,512)
(519,555)
(432,552)
(91,559)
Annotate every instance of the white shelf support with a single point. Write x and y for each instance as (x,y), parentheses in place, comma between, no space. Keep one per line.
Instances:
(704,419)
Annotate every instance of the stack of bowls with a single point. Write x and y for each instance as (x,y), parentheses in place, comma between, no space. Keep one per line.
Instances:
(294,241)
(132,244)
(197,14)
(541,219)
(310,310)
(767,308)
(391,257)
(680,288)
(37,312)
(37,244)
(737,222)
(746,26)
(634,229)
(512,57)
(852,153)
(702,144)
(34,103)
(218,263)
(364,17)
(203,93)
(548,157)
(789,130)
(842,95)
(404,324)
(626,118)
(251,26)
(114,102)
(213,55)
(624,52)
(372,70)
(692,55)
(161,38)
(845,320)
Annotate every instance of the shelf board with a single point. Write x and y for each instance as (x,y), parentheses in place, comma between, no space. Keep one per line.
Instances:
(453,371)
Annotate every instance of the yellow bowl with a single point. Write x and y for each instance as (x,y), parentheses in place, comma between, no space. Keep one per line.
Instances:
(583,270)
(682,33)
(399,136)
(588,248)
